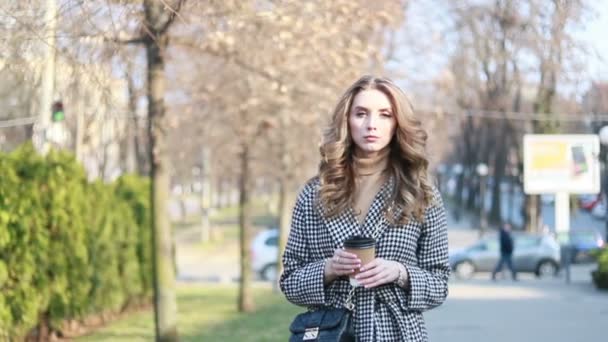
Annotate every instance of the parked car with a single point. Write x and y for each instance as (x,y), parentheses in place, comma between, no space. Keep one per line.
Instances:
(599,211)
(582,241)
(264,249)
(588,202)
(538,254)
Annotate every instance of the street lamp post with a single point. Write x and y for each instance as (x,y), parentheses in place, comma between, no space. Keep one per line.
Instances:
(603,134)
(457,170)
(440,172)
(514,174)
(482,171)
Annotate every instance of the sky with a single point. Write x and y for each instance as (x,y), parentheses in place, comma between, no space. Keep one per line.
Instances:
(424,52)
(597,35)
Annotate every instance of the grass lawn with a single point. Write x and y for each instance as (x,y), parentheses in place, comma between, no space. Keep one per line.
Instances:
(208,313)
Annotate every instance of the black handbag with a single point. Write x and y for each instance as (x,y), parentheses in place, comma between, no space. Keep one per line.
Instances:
(327,324)
(323,325)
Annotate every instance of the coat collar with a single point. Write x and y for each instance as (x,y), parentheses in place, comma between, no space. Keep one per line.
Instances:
(344,224)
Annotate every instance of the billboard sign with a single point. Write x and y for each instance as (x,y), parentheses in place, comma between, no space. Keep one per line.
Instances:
(561,163)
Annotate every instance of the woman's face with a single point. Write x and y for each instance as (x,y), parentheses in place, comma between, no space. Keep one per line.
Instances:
(371,122)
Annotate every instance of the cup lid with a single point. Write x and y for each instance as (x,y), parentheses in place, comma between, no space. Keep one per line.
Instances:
(358,241)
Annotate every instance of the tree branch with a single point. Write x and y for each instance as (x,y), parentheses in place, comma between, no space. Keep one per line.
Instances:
(174,14)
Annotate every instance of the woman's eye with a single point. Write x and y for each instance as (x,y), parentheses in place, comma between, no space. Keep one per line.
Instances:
(360,114)
(387,115)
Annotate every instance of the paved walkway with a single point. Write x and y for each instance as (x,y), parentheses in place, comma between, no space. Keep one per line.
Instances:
(528,310)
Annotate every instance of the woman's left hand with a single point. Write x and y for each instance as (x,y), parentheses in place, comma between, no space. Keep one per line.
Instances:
(378,272)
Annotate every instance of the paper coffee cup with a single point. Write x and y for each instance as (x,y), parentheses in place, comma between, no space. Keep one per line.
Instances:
(364,248)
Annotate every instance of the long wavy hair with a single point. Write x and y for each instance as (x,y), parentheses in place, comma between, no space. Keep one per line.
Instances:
(412,192)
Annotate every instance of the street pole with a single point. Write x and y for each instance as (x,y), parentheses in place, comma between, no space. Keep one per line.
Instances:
(603,135)
(482,172)
(458,171)
(205,194)
(483,220)
(48,79)
(511,194)
(562,224)
(606,195)
(79,133)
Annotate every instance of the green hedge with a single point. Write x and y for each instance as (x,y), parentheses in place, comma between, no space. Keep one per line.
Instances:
(600,275)
(68,247)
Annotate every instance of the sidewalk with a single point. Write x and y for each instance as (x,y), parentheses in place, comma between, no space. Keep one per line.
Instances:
(213,263)
(528,310)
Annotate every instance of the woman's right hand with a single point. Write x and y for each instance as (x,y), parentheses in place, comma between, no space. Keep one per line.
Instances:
(340,264)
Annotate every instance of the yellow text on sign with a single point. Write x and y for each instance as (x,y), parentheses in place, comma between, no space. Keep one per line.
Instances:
(549,155)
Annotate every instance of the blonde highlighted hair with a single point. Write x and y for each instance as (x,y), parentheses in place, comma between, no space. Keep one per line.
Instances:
(412,192)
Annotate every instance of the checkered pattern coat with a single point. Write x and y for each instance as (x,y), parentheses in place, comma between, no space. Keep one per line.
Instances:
(385,313)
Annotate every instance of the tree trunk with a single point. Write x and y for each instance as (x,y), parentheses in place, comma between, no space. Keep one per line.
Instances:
(286,202)
(473,189)
(500,162)
(286,198)
(245,300)
(471,141)
(532,211)
(103,163)
(458,208)
(165,297)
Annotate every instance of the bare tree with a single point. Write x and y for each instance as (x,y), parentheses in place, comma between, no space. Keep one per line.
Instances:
(497,40)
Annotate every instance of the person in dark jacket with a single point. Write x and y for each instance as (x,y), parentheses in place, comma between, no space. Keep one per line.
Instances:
(506,251)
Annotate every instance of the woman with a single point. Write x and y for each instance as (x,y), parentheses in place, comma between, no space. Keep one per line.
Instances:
(372,181)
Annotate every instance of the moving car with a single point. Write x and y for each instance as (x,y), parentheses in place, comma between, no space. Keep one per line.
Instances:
(264,249)
(538,254)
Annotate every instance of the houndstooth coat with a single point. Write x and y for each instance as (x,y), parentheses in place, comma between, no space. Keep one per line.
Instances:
(387,312)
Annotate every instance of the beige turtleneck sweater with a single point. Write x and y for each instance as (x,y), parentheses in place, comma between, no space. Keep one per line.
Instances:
(369,177)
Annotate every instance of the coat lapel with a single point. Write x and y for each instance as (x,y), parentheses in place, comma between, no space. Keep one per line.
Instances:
(345,224)
(341,226)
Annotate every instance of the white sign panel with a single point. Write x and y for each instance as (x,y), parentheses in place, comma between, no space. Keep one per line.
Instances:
(561,163)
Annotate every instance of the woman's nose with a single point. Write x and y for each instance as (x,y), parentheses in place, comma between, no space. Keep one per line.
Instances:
(371,123)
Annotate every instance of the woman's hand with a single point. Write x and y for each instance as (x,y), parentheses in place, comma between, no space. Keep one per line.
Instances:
(379,272)
(340,264)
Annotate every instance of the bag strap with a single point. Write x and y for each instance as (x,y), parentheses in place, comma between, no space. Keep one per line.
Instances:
(348,304)
(377,228)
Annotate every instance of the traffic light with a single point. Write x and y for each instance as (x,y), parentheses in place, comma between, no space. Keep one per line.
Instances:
(58,114)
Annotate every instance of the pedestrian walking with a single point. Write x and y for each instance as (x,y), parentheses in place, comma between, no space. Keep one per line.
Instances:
(368,233)
(506,251)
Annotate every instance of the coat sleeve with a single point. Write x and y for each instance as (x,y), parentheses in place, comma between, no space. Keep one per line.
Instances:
(302,278)
(428,280)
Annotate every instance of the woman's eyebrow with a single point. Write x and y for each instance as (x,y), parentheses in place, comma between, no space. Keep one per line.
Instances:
(366,109)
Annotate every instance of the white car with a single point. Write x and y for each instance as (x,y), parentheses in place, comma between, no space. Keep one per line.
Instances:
(264,250)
